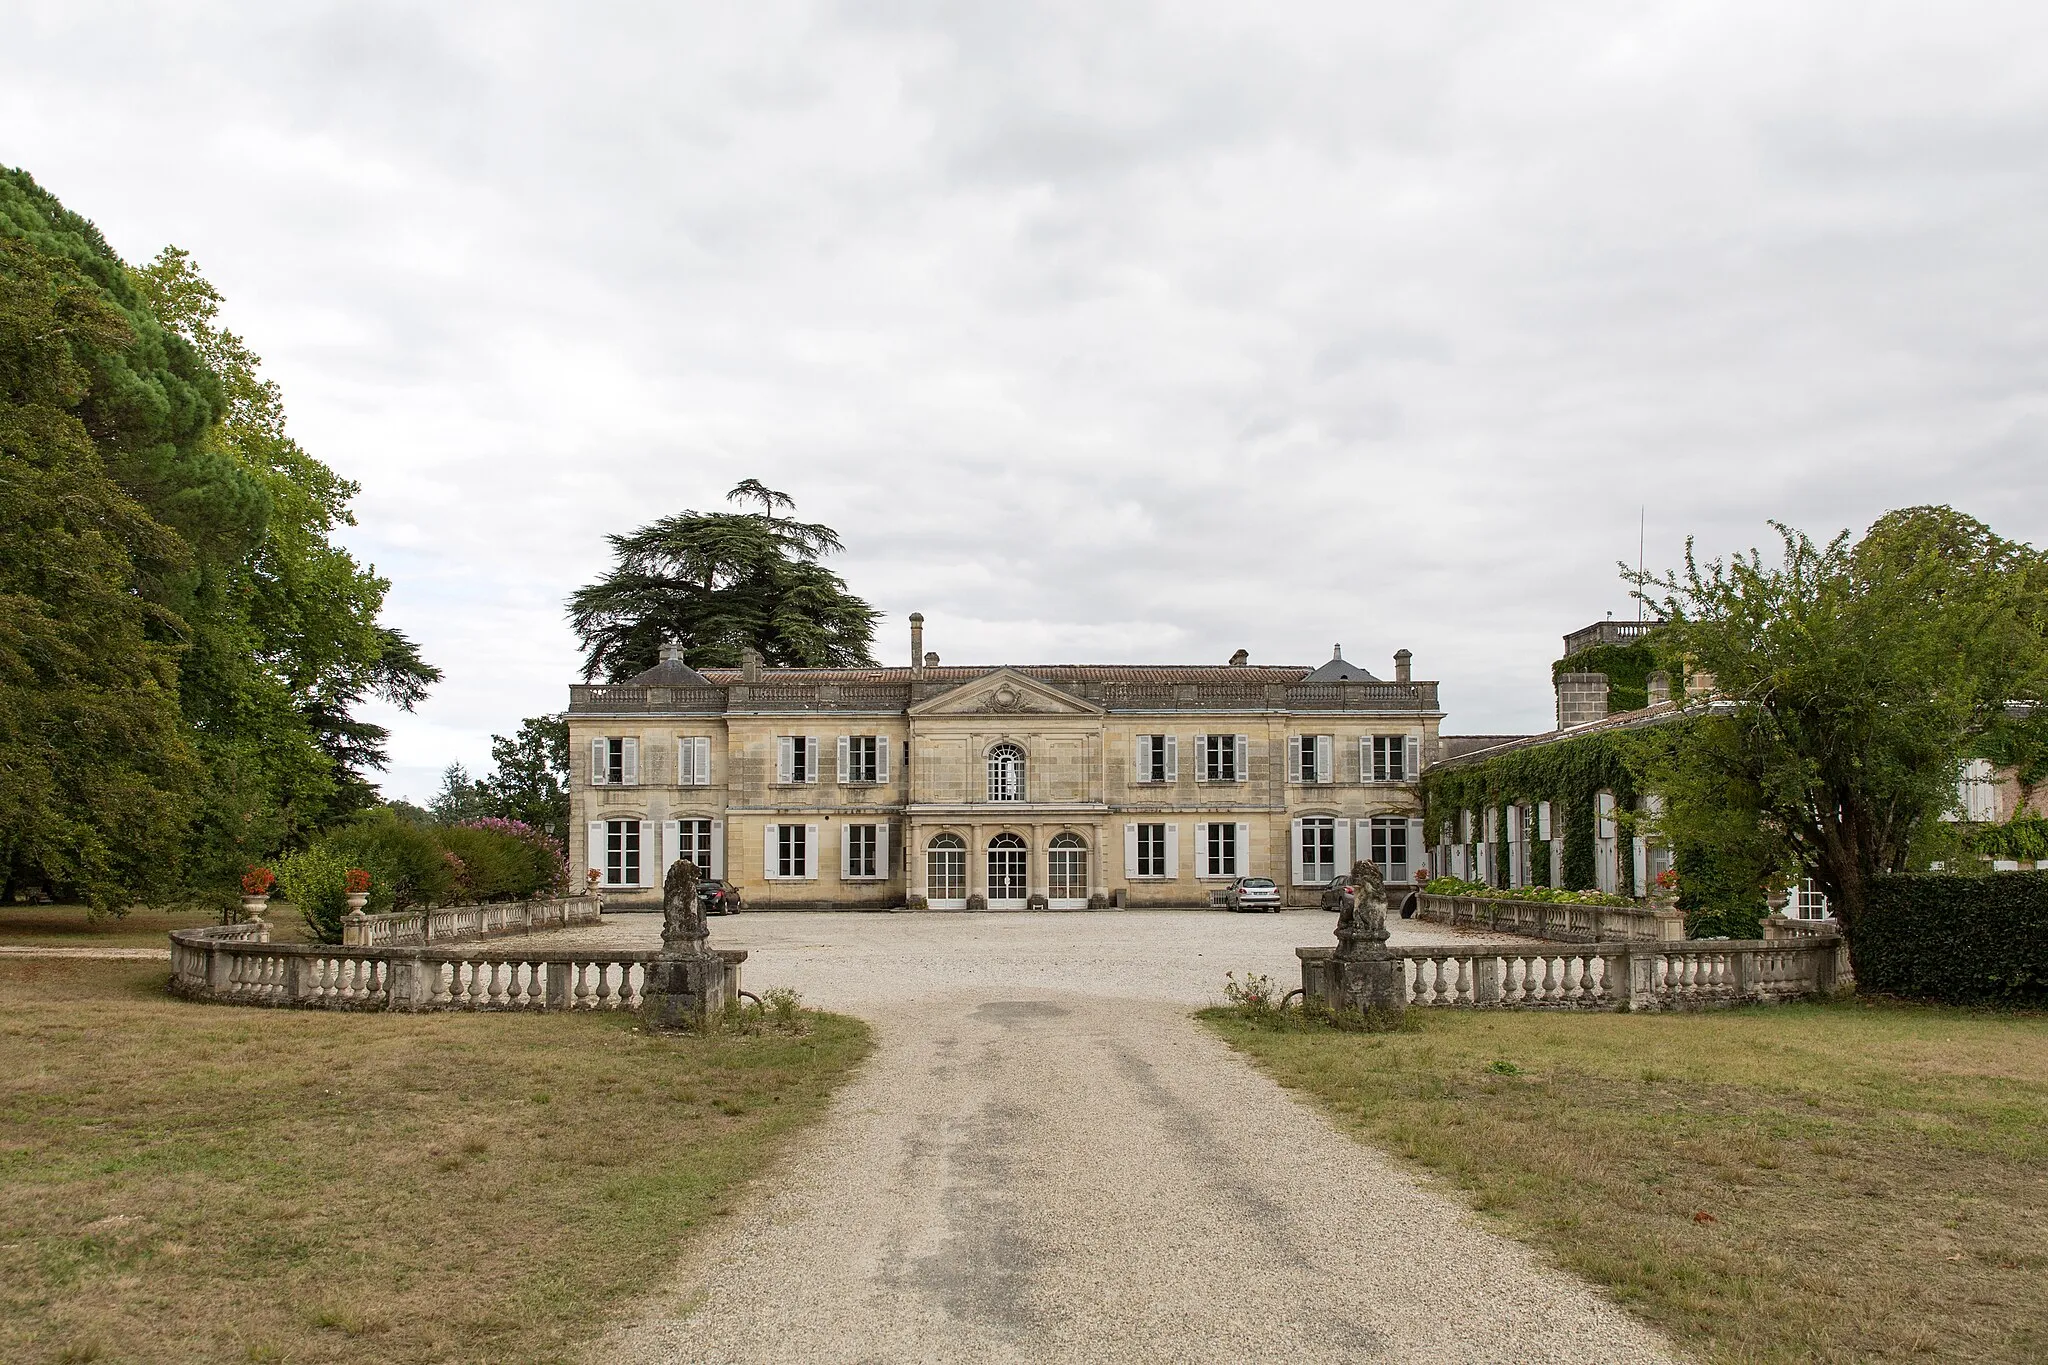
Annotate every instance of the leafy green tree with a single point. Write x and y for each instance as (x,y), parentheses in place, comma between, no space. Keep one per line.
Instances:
(1857,678)
(531,782)
(460,798)
(719,582)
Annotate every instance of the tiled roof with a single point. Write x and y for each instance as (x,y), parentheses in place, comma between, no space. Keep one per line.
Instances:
(1051,673)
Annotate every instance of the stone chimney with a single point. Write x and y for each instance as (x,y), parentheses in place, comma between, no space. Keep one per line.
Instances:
(1336,651)
(1240,659)
(916,642)
(671,650)
(750,664)
(1660,688)
(1699,687)
(1402,660)
(931,658)
(1581,699)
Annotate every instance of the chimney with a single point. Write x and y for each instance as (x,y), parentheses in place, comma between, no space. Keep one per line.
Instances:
(1581,699)
(917,642)
(750,664)
(1336,651)
(671,650)
(931,659)
(1240,659)
(1699,687)
(1402,658)
(1660,688)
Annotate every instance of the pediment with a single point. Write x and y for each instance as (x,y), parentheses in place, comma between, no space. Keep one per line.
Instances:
(1005,692)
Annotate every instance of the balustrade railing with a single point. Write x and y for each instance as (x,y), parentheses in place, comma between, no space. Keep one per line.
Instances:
(1560,922)
(456,923)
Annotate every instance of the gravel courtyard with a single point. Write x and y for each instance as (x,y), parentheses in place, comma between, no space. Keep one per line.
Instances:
(1047,1160)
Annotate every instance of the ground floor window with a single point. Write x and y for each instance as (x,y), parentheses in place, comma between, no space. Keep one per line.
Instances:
(792,852)
(693,841)
(860,851)
(1318,848)
(1389,847)
(946,869)
(1066,865)
(1809,901)
(1007,861)
(1152,851)
(1219,855)
(622,853)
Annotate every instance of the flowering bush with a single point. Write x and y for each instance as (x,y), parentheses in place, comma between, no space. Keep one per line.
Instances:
(1667,880)
(1549,895)
(356,881)
(258,880)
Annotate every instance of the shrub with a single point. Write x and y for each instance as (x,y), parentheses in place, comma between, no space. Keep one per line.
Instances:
(314,881)
(407,866)
(497,865)
(546,870)
(1452,886)
(1963,940)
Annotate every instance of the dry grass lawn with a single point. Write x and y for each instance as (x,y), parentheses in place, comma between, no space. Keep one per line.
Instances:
(68,926)
(1843,1182)
(208,1183)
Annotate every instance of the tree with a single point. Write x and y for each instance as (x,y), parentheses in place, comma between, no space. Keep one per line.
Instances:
(1856,679)
(460,798)
(719,582)
(532,778)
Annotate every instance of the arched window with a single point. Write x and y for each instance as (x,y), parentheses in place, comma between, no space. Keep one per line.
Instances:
(1006,773)
(1066,865)
(1007,859)
(946,869)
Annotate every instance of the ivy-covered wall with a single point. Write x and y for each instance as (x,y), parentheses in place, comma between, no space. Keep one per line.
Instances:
(1628,669)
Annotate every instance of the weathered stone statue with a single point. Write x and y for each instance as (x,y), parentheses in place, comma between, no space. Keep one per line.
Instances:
(683,929)
(1363,921)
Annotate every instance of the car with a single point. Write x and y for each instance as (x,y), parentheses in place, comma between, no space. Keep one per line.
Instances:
(1251,893)
(1338,894)
(718,898)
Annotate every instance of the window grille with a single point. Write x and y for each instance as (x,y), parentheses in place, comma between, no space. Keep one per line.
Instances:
(1006,773)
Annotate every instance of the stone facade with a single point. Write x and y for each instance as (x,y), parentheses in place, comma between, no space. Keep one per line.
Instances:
(1003,787)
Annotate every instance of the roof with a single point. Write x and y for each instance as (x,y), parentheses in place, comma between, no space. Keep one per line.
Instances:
(671,673)
(1051,673)
(1339,670)
(1620,720)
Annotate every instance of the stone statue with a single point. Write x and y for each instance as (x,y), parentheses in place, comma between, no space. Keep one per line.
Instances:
(1362,923)
(683,929)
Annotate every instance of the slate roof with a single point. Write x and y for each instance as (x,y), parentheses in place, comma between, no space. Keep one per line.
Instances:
(1051,673)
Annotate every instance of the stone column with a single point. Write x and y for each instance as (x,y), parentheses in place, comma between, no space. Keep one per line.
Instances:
(1037,872)
(1098,865)
(916,867)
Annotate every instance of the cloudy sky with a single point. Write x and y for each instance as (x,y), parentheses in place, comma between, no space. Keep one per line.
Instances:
(1102,331)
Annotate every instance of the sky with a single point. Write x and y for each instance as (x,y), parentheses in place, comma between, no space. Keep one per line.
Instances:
(1102,332)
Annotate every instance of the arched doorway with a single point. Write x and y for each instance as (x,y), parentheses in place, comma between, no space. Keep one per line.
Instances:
(1066,869)
(945,864)
(1008,861)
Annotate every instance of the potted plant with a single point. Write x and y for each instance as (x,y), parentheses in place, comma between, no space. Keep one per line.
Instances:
(256,884)
(356,883)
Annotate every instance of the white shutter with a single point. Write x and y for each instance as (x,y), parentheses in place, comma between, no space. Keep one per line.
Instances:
(1344,845)
(1130,850)
(648,852)
(717,868)
(700,761)
(1365,771)
(686,765)
(1243,866)
(1201,849)
(1294,853)
(1244,758)
(593,855)
(1173,849)
(883,744)
(1173,758)
(845,839)
(1326,758)
(1294,758)
(1141,747)
(811,847)
(1416,853)
(598,755)
(845,743)
(1543,819)
(769,838)
(785,758)
(671,848)
(1414,754)
(881,844)
(1642,866)
(629,766)
(810,758)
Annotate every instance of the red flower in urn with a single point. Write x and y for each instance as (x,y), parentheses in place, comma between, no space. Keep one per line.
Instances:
(258,880)
(1667,880)
(357,881)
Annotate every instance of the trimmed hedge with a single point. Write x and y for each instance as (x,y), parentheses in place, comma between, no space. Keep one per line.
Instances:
(1979,940)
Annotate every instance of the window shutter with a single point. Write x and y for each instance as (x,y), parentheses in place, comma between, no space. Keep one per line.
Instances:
(671,848)
(1344,845)
(1326,755)
(1244,758)
(648,852)
(845,768)
(1294,848)
(1139,753)
(629,766)
(845,839)
(1173,758)
(717,868)
(785,758)
(1543,819)
(770,837)
(1413,747)
(1365,768)
(882,848)
(1130,850)
(1294,758)
(1416,853)
(593,855)
(1242,865)
(882,747)
(597,762)
(811,847)
(1173,849)
(1641,865)
(1201,849)
(810,758)
(686,763)
(1201,758)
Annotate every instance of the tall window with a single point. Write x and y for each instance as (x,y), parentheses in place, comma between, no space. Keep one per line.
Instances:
(863,758)
(1006,773)
(693,761)
(622,853)
(1318,848)
(1156,758)
(1007,859)
(1389,847)
(615,761)
(792,852)
(1152,851)
(1222,759)
(1066,863)
(1311,758)
(694,843)
(796,758)
(860,851)
(1809,901)
(1389,758)
(946,868)
(1220,856)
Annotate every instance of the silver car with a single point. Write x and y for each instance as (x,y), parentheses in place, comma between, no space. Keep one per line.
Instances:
(1252,893)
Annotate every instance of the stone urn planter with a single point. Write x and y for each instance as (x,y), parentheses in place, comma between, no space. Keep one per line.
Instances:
(356,901)
(254,906)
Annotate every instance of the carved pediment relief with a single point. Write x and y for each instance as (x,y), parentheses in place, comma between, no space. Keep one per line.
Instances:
(1005,692)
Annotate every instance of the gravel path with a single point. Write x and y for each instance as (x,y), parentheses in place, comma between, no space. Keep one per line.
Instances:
(1047,1160)
(103,954)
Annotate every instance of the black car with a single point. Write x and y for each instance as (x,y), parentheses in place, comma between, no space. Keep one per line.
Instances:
(1338,894)
(718,898)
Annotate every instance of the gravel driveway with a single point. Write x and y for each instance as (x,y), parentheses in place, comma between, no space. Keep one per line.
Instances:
(1047,1160)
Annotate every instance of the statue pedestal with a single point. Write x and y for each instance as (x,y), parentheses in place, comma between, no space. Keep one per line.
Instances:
(689,990)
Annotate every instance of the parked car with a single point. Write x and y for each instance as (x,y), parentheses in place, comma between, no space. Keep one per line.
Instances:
(718,898)
(1338,894)
(1252,893)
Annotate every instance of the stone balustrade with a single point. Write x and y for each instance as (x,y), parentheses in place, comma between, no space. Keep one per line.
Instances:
(230,966)
(1560,922)
(462,923)
(1604,976)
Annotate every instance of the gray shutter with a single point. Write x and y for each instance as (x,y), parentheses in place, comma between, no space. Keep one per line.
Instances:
(811,848)
(1173,849)
(1417,858)
(671,848)
(769,838)
(593,853)
(629,765)
(1139,745)
(717,868)
(785,758)
(1294,758)
(1343,846)
(686,762)
(1173,758)
(1130,850)
(647,848)
(1326,758)
(1366,772)
(883,744)
(1294,849)
(845,743)
(1241,866)
(810,760)
(845,840)
(598,755)
(1413,751)
(881,845)
(1244,758)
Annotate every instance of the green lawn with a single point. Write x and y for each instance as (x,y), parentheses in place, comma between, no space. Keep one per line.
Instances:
(68,926)
(211,1183)
(1840,1182)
